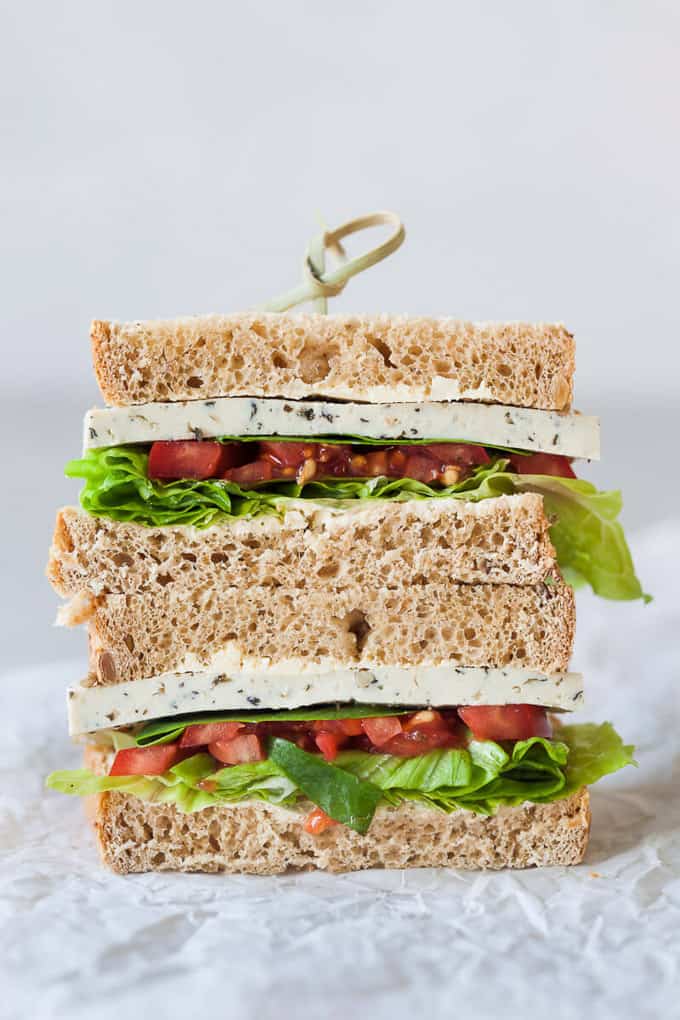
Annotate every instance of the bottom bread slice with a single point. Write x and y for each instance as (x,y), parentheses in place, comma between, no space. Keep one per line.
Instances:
(262,839)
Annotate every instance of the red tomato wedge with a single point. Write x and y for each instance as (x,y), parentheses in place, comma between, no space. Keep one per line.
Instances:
(425,731)
(415,742)
(344,727)
(378,463)
(146,761)
(250,474)
(209,733)
(268,460)
(240,749)
(381,729)
(191,458)
(464,454)
(420,467)
(506,722)
(288,454)
(318,821)
(329,744)
(543,464)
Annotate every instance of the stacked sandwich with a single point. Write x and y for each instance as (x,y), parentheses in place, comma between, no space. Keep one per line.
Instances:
(326,566)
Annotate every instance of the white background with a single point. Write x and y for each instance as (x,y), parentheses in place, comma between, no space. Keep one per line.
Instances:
(161,158)
(166,158)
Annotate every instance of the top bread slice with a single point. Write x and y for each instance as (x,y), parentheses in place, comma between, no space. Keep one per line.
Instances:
(360,358)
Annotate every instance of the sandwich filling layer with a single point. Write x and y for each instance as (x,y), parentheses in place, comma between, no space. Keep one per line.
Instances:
(345,761)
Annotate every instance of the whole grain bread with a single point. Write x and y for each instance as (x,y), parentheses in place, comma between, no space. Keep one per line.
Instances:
(262,839)
(386,544)
(373,358)
(133,636)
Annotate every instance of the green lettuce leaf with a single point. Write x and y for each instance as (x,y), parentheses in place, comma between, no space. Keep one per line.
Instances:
(594,751)
(479,778)
(262,780)
(590,543)
(342,794)
(178,786)
(117,486)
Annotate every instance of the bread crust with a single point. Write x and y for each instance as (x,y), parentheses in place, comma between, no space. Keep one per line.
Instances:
(261,839)
(373,358)
(388,544)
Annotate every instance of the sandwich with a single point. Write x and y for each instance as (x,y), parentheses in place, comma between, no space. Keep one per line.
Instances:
(327,569)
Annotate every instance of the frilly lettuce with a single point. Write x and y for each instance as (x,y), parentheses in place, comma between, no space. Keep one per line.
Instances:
(590,543)
(117,486)
(480,778)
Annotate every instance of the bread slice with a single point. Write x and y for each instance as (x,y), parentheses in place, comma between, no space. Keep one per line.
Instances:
(372,358)
(386,544)
(262,839)
(229,629)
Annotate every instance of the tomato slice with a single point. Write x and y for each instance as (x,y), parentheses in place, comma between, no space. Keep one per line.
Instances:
(318,821)
(250,474)
(377,463)
(345,727)
(415,742)
(146,761)
(351,727)
(420,467)
(463,454)
(543,464)
(334,458)
(239,750)
(506,722)
(209,733)
(405,736)
(287,454)
(254,463)
(191,458)
(233,454)
(329,744)
(380,729)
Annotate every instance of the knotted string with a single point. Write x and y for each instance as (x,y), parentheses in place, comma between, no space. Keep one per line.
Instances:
(318,285)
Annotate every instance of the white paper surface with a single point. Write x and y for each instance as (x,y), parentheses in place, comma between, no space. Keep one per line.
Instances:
(599,940)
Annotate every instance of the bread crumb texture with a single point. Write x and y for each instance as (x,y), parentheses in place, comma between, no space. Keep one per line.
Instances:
(345,357)
(461,625)
(387,544)
(261,839)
